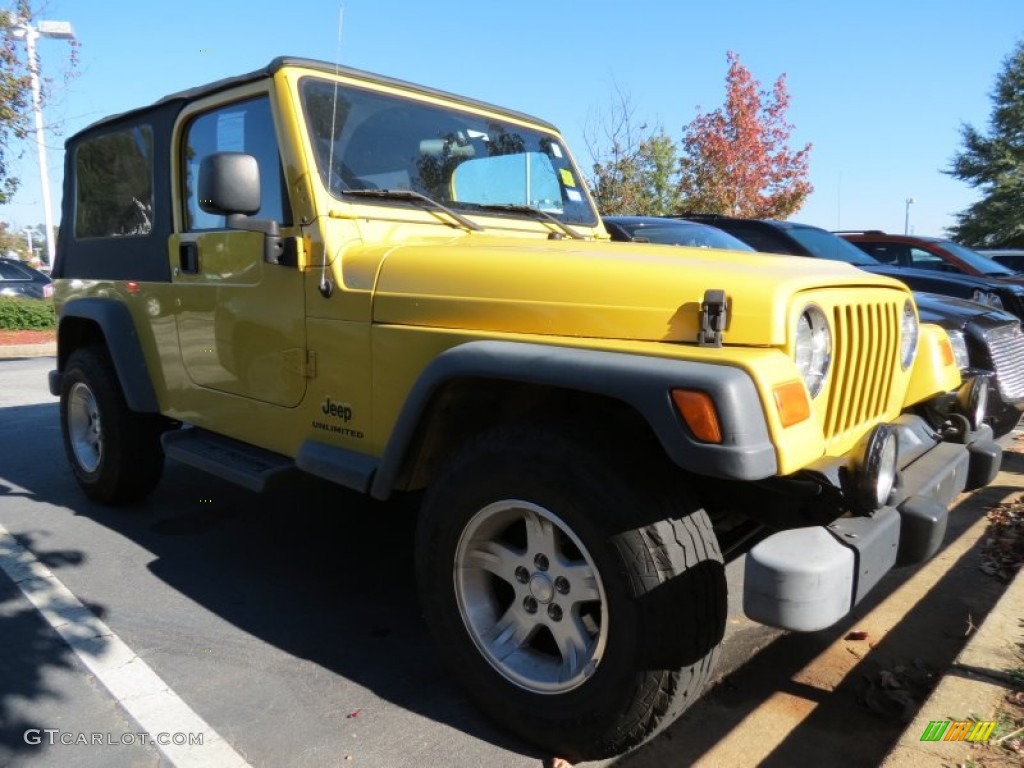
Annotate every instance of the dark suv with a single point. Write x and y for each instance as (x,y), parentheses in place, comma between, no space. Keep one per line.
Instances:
(19,279)
(991,339)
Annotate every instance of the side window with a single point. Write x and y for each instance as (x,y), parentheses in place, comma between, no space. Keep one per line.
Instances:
(760,239)
(922,259)
(10,271)
(114,184)
(884,252)
(246,126)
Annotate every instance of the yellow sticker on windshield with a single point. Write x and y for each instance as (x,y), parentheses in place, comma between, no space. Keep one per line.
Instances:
(567,178)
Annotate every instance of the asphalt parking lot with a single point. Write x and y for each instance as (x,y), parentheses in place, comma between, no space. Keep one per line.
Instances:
(287,623)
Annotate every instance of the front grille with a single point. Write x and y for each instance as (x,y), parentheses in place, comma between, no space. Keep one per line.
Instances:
(1006,344)
(865,352)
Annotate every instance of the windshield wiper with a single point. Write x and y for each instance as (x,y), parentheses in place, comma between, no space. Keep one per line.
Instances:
(537,213)
(426,202)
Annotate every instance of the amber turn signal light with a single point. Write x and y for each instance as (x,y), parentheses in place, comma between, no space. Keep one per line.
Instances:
(947,351)
(698,411)
(791,401)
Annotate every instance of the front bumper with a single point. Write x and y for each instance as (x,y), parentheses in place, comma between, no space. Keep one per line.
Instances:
(805,579)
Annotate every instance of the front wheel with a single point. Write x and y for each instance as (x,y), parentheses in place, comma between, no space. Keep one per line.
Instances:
(580,599)
(114,452)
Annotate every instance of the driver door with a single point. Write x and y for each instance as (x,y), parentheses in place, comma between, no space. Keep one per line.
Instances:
(240,320)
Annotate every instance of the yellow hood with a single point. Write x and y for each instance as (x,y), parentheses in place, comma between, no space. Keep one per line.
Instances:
(595,289)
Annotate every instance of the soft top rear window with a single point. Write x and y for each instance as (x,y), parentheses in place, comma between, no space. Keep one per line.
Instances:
(114,184)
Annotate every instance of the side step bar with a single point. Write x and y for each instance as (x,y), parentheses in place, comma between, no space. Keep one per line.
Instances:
(252,468)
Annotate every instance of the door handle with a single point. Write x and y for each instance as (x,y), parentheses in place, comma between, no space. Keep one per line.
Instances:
(188,258)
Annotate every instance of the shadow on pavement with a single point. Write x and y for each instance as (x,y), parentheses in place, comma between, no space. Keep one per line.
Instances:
(319,572)
(30,651)
(859,718)
(327,575)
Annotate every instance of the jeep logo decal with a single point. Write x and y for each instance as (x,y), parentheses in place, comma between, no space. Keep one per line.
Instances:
(341,411)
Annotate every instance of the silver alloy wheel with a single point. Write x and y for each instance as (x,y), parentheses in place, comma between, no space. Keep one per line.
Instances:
(531,597)
(84,428)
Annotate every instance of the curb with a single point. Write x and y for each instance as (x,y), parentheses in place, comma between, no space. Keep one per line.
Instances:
(973,686)
(12,351)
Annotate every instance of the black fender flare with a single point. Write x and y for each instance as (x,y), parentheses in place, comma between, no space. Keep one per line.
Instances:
(123,343)
(642,382)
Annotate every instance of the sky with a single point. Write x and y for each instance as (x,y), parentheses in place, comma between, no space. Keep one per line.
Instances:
(880,89)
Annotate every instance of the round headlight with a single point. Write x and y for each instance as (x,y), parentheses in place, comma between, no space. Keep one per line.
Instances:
(813,350)
(908,337)
(960,356)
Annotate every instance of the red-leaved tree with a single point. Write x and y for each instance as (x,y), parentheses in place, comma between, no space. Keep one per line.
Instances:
(736,159)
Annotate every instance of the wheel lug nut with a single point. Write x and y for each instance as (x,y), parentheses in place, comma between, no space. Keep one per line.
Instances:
(562,585)
(522,575)
(554,612)
(530,604)
(541,561)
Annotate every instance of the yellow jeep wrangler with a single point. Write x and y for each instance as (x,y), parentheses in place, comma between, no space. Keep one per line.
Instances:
(313,269)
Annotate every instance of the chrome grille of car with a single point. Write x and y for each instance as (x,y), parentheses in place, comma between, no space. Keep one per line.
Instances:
(1006,345)
(865,352)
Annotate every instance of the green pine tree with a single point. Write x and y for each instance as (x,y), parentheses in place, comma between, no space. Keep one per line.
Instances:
(995,165)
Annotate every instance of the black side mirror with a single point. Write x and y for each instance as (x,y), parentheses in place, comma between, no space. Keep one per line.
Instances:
(229,183)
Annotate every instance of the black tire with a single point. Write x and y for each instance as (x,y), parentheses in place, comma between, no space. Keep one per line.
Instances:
(114,452)
(1004,419)
(643,639)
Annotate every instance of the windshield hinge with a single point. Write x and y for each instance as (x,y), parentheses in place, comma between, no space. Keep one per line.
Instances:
(714,317)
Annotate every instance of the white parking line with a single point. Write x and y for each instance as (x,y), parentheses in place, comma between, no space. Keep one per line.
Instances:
(137,688)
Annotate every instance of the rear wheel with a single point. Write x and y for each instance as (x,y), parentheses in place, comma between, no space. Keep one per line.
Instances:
(581,601)
(114,452)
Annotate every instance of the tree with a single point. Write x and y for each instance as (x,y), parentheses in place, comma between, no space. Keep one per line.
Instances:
(15,96)
(638,172)
(16,89)
(995,165)
(736,159)
(10,241)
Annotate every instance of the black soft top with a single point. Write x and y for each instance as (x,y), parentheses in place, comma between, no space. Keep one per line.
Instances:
(172,103)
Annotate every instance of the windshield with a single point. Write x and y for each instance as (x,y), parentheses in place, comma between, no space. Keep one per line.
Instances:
(368,140)
(981,263)
(825,245)
(681,233)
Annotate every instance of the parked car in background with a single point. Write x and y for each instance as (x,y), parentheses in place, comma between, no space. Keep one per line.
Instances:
(1011,258)
(656,229)
(983,338)
(19,279)
(792,238)
(930,253)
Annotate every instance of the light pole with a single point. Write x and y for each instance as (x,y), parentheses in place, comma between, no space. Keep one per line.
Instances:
(61,30)
(906,216)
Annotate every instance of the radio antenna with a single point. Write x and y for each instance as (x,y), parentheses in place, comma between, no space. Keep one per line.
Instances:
(334,104)
(326,286)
